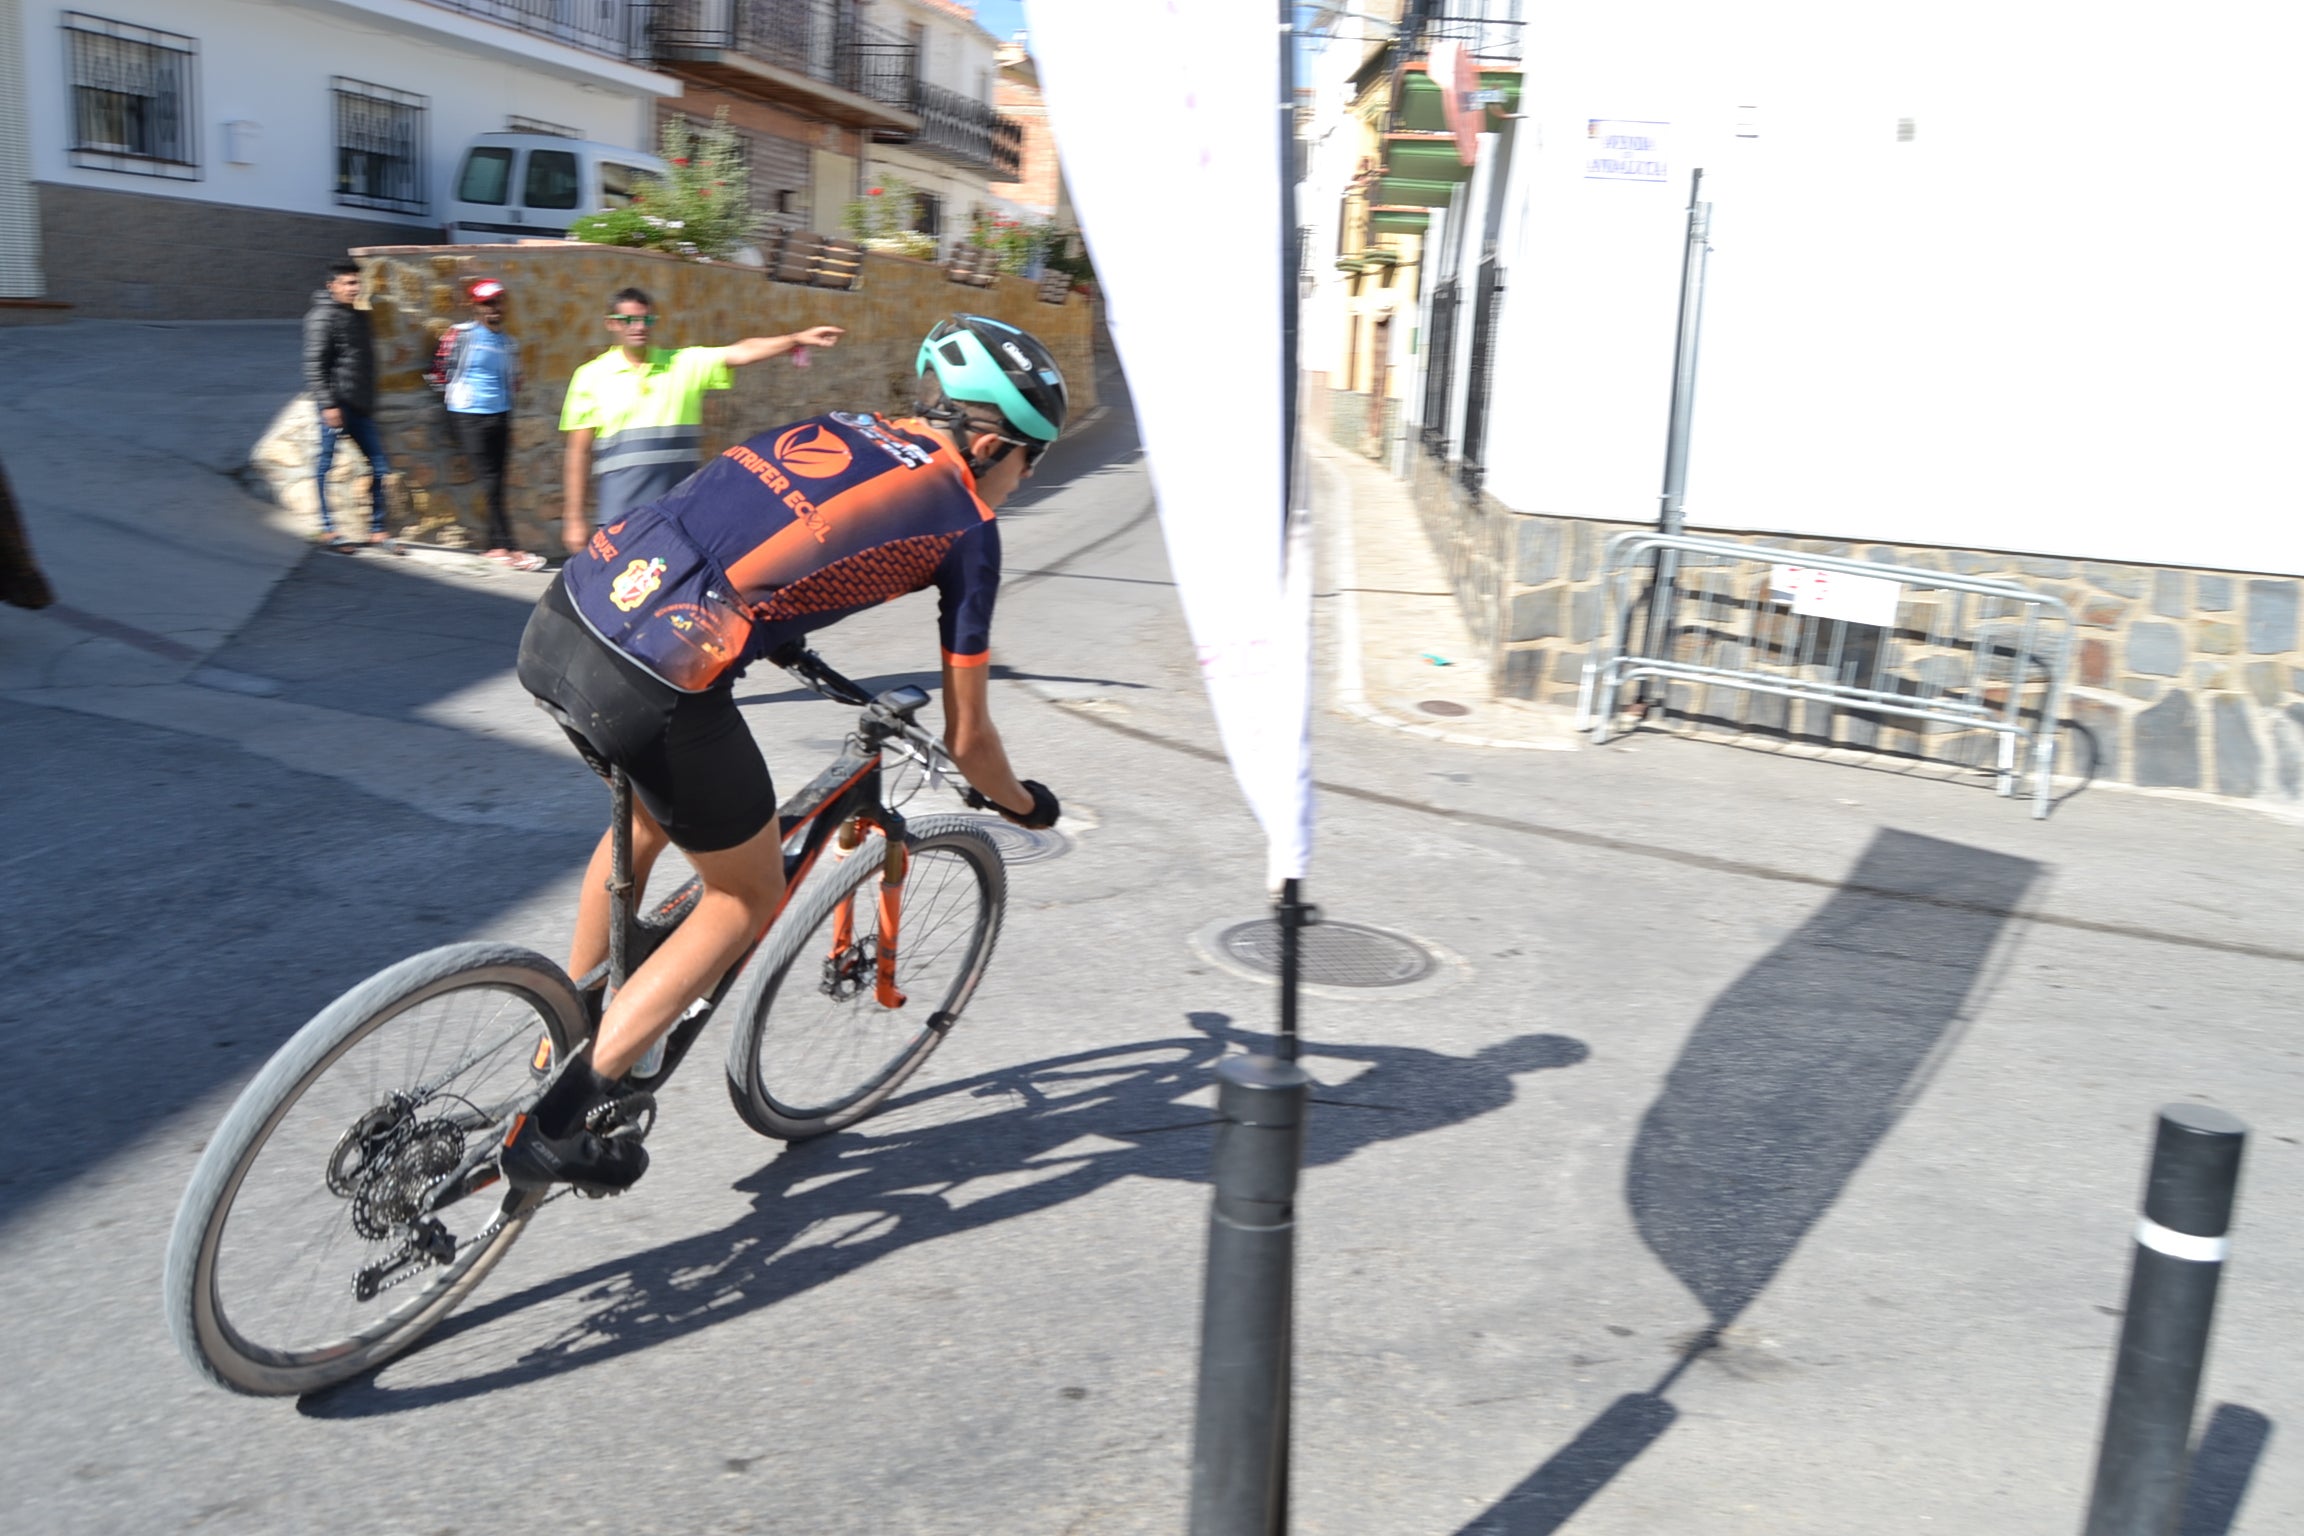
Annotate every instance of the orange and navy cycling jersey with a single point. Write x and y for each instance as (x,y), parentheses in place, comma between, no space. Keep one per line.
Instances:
(788,532)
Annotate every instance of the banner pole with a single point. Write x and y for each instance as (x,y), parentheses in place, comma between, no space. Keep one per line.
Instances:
(1670,519)
(1291,262)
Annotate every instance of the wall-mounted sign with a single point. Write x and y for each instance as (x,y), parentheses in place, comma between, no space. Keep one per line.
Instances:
(1618,149)
(1835,594)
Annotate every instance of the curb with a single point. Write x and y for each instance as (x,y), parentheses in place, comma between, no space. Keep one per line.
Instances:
(1350,691)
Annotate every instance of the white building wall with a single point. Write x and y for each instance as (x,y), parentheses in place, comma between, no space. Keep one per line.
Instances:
(2058,317)
(1332,149)
(960,57)
(20,276)
(272,64)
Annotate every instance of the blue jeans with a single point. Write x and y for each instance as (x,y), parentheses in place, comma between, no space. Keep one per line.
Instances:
(362,430)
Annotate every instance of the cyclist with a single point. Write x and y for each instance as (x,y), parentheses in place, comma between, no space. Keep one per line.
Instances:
(636,647)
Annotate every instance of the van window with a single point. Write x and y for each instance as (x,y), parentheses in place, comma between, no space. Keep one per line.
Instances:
(551,179)
(487,176)
(618,183)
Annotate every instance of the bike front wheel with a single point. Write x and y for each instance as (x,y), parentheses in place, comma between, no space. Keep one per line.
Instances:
(312,1245)
(816,1051)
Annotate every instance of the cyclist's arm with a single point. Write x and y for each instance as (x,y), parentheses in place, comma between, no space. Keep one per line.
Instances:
(575,475)
(974,741)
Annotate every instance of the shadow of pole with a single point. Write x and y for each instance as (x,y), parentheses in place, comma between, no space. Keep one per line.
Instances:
(1787,1083)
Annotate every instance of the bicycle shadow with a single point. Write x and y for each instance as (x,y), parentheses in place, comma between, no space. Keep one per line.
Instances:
(956,1158)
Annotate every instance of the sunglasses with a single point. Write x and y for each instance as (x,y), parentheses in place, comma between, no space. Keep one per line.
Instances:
(631,319)
(1032,447)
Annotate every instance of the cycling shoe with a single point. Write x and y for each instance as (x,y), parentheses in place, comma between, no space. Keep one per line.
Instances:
(595,1165)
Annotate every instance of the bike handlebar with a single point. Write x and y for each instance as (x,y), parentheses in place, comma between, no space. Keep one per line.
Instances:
(818,674)
(909,737)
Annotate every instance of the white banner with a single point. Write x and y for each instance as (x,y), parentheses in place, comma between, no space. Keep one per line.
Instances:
(1166,116)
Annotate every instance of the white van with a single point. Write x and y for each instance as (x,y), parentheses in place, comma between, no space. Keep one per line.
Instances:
(532,186)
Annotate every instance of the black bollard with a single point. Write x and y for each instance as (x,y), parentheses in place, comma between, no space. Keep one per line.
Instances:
(2180,1243)
(1240,1430)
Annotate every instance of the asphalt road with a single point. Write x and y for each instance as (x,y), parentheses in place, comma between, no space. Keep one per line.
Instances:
(1855,1069)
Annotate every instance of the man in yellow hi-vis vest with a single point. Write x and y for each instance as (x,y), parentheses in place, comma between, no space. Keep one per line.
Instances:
(635,414)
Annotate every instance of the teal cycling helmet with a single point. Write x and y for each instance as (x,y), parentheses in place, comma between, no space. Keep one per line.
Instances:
(982,361)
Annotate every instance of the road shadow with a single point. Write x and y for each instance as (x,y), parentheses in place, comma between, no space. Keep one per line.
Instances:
(881,682)
(2223,1463)
(1791,1078)
(951,1159)
(374,635)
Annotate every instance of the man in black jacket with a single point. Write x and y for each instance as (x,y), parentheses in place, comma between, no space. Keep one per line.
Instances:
(340,376)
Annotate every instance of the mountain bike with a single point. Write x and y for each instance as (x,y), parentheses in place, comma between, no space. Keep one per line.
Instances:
(351,1199)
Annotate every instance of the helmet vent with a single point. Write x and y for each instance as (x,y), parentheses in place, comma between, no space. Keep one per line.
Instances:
(954,355)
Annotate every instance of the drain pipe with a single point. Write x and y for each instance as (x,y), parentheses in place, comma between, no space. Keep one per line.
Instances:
(1670,521)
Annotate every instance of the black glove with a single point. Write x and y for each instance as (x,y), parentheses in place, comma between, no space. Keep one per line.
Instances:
(1044,810)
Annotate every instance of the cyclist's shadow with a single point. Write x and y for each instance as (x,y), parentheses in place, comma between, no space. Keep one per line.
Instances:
(954,1158)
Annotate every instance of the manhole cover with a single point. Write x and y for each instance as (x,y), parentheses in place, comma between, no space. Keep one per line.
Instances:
(1331,954)
(1024,845)
(1447,707)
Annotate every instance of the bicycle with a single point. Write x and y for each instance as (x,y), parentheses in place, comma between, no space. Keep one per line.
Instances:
(379,1120)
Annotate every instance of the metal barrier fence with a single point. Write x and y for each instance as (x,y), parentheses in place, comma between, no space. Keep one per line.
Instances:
(1857,640)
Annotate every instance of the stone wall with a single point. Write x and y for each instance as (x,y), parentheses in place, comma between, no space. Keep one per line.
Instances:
(557,298)
(1348,424)
(2181,679)
(142,256)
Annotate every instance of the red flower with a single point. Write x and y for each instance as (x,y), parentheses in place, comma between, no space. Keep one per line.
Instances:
(875,192)
(703,191)
(682,161)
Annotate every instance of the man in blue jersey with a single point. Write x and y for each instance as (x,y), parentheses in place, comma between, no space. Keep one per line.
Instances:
(641,639)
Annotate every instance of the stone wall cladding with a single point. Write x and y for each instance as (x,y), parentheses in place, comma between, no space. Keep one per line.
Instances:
(140,256)
(2180,679)
(557,295)
(1348,423)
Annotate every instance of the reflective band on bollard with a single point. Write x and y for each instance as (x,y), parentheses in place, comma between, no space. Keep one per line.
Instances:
(1240,1429)
(2142,1466)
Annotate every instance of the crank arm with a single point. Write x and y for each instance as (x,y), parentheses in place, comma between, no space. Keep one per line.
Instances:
(476,1172)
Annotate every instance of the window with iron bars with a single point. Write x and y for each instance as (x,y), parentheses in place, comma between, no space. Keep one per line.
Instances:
(379,147)
(133,98)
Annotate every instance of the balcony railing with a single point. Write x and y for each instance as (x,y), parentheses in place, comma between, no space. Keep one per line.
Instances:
(962,128)
(1489,31)
(822,39)
(615,28)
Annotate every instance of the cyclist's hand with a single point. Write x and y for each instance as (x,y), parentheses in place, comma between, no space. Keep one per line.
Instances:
(1044,810)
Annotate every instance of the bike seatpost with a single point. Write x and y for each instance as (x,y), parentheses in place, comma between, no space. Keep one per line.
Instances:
(619,876)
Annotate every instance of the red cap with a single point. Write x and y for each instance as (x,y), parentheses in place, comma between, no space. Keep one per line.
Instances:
(485,289)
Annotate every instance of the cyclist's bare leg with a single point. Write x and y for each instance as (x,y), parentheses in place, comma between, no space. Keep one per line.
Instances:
(742,886)
(589,948)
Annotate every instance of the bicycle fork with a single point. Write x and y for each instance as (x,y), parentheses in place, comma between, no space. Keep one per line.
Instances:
(895,864)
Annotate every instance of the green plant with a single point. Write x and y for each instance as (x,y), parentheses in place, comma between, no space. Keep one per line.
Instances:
(886,218)
(1021,245)
(702,207)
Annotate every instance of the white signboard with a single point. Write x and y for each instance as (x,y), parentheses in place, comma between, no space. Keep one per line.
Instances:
(1835,594)
(1619,149)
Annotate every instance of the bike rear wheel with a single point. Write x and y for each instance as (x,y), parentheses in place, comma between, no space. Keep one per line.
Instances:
(816,1051)
(308,1193)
